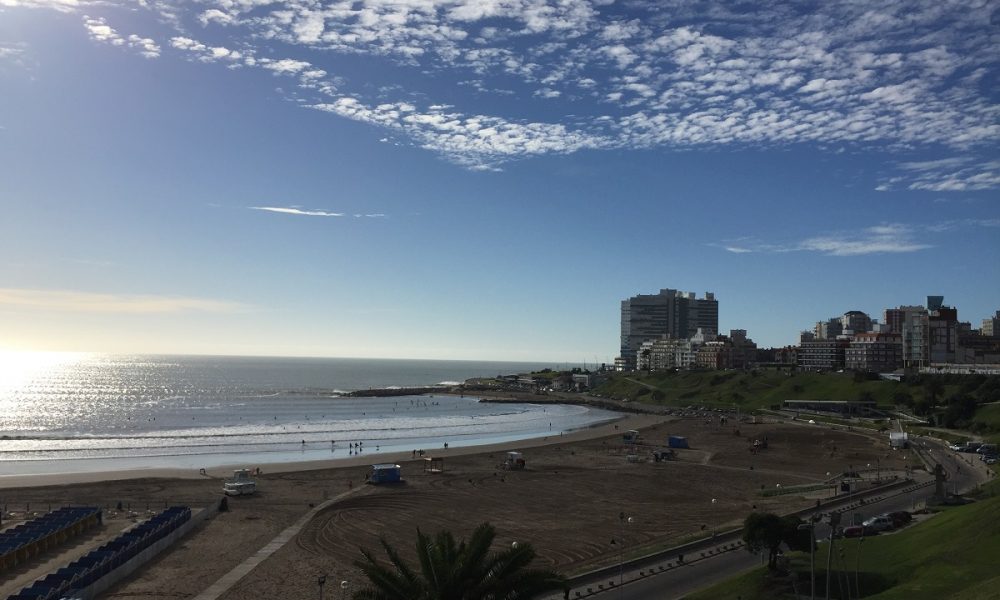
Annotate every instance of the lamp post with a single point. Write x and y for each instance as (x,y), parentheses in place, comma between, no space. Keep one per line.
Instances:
(714,524)
(321,581)
(623,520)
(834,521)
(811,526)
(343,587)
(857,566)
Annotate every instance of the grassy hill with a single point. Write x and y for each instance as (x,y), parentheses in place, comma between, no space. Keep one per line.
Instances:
(950,556)
(747,390)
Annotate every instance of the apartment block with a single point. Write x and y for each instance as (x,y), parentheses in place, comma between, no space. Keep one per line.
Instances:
(874,352)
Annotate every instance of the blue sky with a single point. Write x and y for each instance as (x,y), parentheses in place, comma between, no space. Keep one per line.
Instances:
(485,180)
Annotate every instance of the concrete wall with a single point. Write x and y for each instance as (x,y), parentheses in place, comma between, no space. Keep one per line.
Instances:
(112,578)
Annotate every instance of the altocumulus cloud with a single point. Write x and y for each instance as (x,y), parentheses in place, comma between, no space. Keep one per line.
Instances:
(901,75)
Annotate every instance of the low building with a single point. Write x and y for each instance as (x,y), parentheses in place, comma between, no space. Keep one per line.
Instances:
(715,355)
(664,354)
(822,355)
(847,408)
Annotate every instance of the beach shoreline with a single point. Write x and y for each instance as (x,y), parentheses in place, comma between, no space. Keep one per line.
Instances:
(221,472)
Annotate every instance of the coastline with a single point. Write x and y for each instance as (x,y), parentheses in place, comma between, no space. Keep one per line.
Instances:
(222,472)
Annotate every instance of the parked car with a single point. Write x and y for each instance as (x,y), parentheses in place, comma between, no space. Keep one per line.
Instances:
(900,518)
(987,449)
(880,523)
(971,446)
(989,459)
(858,531)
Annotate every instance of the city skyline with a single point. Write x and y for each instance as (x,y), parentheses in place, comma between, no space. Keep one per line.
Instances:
(459,179)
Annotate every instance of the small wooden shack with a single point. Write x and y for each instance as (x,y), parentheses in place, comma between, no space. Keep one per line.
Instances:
(434,465)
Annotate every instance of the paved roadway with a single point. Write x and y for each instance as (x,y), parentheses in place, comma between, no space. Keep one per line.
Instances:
(964,472)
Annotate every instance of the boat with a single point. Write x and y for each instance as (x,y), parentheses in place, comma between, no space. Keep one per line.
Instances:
(240,485)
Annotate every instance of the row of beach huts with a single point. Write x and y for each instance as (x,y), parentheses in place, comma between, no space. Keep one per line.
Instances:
(74,581)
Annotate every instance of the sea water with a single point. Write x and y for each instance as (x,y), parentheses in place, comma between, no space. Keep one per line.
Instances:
(74,413)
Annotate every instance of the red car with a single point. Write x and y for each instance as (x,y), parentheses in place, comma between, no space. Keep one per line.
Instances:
(858,531)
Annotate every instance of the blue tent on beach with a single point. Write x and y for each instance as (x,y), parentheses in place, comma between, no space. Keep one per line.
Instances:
(385,473)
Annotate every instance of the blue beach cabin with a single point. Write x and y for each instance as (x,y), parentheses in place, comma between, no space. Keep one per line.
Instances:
(385,473)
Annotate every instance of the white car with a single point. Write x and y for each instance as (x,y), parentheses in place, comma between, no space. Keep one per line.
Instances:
(880,523)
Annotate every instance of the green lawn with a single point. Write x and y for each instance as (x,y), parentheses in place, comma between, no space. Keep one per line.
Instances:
(952,555)
(987,418)
(727,388)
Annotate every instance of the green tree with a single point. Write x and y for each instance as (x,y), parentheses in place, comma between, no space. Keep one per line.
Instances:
(457,571)
(933,388)
(961,408)
(768,531)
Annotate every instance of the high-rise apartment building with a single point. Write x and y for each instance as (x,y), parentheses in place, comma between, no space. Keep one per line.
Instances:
(670,313)
(943,330)
(855,321)
(991,326)
(828,330)
(910,322)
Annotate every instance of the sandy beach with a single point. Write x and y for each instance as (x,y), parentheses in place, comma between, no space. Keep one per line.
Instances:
(566,502)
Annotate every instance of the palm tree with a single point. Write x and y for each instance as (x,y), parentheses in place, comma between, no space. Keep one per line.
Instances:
(463,571)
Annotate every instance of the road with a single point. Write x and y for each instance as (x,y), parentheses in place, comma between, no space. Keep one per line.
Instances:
(964,472)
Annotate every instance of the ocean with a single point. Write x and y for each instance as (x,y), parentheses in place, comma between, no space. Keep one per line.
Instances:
(63,413)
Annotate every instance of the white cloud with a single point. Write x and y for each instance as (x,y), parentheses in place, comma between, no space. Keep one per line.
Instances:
(898,75)
(59,5)
(208,54)
(71,301)
(100,31)
(476,141)
(146,46)
(890,238)
(291,210)
(959,174)
(846,246)
(285,65)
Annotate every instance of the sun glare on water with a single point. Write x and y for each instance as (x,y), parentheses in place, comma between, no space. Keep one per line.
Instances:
(18,369)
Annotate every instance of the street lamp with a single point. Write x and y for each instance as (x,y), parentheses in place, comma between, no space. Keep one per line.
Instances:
(321,581)
(343,587)
(811,526)
(857,566)
(714,524)
(834,521)
(623,520)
